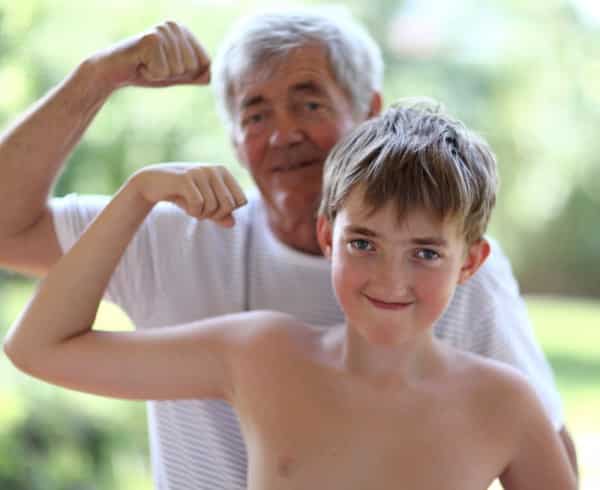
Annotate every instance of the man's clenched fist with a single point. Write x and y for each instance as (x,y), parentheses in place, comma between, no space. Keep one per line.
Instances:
(168,54)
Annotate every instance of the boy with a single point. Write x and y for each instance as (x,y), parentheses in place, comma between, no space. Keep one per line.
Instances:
(375,403)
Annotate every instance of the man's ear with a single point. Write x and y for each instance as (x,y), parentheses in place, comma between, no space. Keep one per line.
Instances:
(375,105)
(475,257)
(324,235)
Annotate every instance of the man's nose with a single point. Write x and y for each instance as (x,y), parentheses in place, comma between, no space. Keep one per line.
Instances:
(286,131)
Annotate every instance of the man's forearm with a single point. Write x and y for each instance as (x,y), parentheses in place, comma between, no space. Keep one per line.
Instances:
(34,148)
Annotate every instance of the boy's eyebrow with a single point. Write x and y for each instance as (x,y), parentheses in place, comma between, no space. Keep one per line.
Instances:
(438,241)
(422,241)
(360,230)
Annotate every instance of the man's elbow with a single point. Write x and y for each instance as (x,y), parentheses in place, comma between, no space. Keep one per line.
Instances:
(570,449)
(20,357)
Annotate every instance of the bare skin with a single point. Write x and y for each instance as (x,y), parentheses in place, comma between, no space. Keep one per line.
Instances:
(317,409)
(34,149)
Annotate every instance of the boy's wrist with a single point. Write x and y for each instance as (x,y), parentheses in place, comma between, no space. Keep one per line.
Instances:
(135,195)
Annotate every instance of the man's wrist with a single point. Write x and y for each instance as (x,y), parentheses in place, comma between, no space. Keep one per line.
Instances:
(94,77)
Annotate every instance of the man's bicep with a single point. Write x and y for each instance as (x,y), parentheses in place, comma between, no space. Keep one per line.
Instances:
(33,251)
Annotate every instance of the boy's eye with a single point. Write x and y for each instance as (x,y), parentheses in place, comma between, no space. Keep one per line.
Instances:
(312,106)
(361,245)
(427,254)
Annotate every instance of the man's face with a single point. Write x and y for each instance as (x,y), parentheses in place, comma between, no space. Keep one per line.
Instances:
(393,280)
(286,120)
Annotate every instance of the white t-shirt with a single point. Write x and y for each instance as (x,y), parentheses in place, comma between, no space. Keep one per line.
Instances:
(178,269)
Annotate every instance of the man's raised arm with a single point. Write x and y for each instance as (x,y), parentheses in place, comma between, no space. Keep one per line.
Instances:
(34,148)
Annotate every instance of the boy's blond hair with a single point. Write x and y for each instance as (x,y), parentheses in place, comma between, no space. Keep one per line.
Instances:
(420,158)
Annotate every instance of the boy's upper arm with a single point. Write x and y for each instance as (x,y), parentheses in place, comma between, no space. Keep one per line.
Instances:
(34,250)
(539,459)
(194,360)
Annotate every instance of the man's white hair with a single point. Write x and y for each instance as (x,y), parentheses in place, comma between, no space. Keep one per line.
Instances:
(254,42)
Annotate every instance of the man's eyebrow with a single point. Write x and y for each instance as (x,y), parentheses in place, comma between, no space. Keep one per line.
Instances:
(252,101)
(309,87)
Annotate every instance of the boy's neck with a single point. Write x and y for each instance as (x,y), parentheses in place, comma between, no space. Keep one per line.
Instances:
(416,358)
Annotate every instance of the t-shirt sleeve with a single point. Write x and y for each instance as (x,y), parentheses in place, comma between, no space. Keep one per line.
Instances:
(498,327)
(134,283)
(175,269)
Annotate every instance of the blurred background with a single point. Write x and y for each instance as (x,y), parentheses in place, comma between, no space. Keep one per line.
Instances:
(524,73)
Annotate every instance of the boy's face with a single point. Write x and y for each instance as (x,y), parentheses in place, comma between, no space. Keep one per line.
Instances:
(393,280)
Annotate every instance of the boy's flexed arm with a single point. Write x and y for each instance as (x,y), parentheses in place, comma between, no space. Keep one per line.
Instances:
(53,339)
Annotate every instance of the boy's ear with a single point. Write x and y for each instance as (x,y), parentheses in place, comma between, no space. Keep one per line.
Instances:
(476,255)
(324,235)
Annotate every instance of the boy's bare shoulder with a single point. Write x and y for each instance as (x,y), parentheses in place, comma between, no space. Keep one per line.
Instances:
(488,377)
(493,389)
(263,330)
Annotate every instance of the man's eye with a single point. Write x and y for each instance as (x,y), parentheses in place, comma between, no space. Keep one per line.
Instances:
(313,106)
(361,245)
(255,118)
(252,119)
(427,254)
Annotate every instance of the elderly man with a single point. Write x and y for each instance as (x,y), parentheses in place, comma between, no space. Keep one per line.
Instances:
(289,85)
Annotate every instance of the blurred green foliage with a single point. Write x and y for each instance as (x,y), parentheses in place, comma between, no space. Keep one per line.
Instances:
(526,74)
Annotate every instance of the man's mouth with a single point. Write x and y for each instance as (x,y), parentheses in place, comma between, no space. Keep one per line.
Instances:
(295,166)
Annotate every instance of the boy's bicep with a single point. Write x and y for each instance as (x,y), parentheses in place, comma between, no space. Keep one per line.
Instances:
(194,360)
(174,362)
(539,459)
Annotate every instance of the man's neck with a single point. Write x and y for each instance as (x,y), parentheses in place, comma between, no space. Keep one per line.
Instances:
(298,232)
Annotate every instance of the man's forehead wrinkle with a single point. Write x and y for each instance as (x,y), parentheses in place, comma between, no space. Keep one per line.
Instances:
(302,69)
(308,86)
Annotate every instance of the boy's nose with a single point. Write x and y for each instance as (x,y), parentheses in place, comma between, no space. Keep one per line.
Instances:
(393,279)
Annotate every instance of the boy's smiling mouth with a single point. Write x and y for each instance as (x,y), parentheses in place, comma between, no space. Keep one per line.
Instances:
(388,305)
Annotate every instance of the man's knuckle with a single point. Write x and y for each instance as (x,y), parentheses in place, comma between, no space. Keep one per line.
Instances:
(150,39)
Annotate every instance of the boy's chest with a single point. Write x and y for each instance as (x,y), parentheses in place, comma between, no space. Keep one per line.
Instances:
(308,432)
